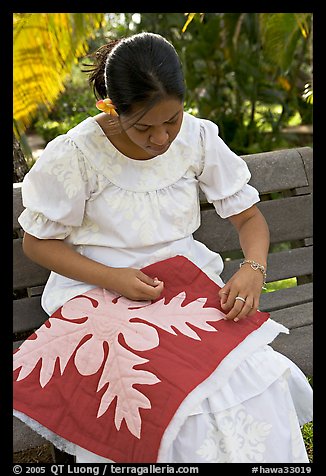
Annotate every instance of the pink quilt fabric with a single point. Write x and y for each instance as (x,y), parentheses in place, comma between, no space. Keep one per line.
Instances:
(109,374)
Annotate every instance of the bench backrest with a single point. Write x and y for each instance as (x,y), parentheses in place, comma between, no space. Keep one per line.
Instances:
(284,181)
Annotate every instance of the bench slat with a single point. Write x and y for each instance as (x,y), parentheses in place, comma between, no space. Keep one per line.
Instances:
(307,158)
(285,298)
(290,263)
(26,273)
(288,218)
(28,314)
(280,170)
(290,317)
(17,204)
(281,265)
(297,346)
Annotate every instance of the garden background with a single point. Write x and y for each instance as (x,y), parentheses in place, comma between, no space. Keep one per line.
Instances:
(250,73)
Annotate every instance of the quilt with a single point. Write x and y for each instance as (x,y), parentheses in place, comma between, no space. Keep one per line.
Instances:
(109,374)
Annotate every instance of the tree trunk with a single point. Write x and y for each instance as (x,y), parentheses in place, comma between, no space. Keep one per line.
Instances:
(20,167)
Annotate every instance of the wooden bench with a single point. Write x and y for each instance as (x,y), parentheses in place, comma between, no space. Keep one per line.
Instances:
(284,181)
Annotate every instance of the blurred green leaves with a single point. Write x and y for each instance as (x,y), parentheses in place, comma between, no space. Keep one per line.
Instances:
(46,45)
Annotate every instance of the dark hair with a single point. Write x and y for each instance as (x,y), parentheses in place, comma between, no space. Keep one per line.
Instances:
(140,69)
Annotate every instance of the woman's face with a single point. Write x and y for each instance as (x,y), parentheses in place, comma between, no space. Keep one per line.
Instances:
(157,128)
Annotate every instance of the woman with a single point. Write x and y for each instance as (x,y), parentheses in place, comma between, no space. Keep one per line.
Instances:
(119,192)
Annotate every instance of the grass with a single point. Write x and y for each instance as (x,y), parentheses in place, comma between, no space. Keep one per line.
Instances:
(307,433)
(40,454)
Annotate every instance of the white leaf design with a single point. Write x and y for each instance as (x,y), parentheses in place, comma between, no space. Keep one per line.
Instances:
(173,314)
(104,321)
(50,345)
(129,400)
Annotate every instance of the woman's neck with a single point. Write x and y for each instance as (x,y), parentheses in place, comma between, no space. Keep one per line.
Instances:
(121,141)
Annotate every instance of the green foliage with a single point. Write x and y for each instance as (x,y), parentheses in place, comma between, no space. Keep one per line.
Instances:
(49,129)
(241,72)
(283,284)
(73,106)
(77,102)
(280,34)
(46,46)
(232,77)
(307,433)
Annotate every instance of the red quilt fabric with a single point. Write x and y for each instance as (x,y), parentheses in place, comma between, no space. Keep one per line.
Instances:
(108,374)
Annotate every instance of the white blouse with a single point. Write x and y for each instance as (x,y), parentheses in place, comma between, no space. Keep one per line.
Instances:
(130,213)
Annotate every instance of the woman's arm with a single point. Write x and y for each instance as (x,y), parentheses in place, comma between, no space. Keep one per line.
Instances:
(58,256)
(247,282)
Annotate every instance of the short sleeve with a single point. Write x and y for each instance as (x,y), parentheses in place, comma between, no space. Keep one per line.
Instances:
(55,191)
(224,175)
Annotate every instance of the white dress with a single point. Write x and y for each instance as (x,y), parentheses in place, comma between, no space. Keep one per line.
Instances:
(131,213)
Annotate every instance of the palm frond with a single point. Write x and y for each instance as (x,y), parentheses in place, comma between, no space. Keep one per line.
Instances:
(45,47)
(280,33)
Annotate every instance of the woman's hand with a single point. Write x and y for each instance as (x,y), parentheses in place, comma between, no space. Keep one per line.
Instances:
(134,284)
(60,257)
(247,284)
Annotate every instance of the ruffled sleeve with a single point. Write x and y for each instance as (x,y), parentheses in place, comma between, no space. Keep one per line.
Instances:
(224,175)
(55,191)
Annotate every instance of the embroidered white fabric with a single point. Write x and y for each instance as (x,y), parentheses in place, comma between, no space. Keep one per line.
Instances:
(122,212)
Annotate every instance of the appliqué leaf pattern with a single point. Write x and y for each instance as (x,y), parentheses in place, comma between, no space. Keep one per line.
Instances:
(104,322)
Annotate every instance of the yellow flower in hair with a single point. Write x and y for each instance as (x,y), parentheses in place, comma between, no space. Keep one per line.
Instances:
(106,106)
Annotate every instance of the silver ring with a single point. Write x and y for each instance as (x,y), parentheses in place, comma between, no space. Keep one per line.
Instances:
(239,298)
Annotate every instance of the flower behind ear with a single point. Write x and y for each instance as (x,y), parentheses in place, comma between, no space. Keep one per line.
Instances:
(105,105)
